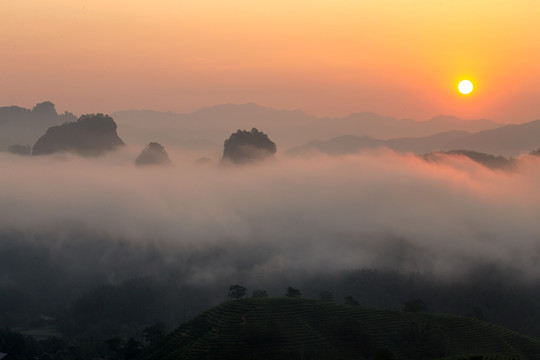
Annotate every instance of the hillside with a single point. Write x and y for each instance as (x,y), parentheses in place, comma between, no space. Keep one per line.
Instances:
(287,328)
(509,140)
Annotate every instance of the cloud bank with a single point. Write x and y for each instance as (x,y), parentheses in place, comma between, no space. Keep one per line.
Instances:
(322,214)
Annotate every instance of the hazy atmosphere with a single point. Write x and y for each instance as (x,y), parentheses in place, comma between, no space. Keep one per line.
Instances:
(372,210)
(269,180)
(395,58)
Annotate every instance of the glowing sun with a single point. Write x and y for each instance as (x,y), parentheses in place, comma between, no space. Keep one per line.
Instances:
(465,87)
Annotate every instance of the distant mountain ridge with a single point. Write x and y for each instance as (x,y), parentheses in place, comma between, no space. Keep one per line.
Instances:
(385,127)
(207,128)
(211,125)
(508,140)
(488,160)
(20,126)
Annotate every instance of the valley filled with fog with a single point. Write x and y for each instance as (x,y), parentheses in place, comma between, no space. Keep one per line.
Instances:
(97,239)
(371,210)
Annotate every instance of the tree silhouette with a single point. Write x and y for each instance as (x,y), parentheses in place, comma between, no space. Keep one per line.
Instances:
(293,293)
(237,291)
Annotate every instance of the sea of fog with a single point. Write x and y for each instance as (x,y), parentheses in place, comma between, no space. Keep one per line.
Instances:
(376,209)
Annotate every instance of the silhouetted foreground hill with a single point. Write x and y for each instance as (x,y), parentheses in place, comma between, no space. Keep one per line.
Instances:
(90,135)
(287,328)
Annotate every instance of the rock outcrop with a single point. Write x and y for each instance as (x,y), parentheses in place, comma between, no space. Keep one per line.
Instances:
(90,135)
(248,146)
(153,154)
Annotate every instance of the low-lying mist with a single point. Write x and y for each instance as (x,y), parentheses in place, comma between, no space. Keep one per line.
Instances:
(106,219)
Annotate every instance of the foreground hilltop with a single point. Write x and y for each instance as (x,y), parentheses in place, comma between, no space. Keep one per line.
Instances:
(293,328)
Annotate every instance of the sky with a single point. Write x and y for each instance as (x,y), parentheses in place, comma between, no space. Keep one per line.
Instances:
(327,58)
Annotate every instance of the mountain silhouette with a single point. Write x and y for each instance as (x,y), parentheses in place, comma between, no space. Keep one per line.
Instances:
(205,128)
(509,140)
(488,160)
(90,135)
(153,154)
(349,144)
(248,146)
(20,126)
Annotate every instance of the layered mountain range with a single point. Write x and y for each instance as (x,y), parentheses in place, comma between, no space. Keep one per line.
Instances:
(508,140)
(294,132)
(208,127)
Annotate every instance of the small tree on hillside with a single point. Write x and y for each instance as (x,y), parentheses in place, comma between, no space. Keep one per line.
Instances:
(293,293)
(237,291)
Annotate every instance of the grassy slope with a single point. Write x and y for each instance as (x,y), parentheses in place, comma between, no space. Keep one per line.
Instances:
(283,328)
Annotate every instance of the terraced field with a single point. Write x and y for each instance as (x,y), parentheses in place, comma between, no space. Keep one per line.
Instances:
(480,357)
(285,328)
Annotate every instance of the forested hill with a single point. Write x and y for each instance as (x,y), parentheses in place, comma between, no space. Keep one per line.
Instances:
(294,328)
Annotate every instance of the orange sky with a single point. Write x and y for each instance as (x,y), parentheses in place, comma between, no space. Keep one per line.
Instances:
(393,57)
